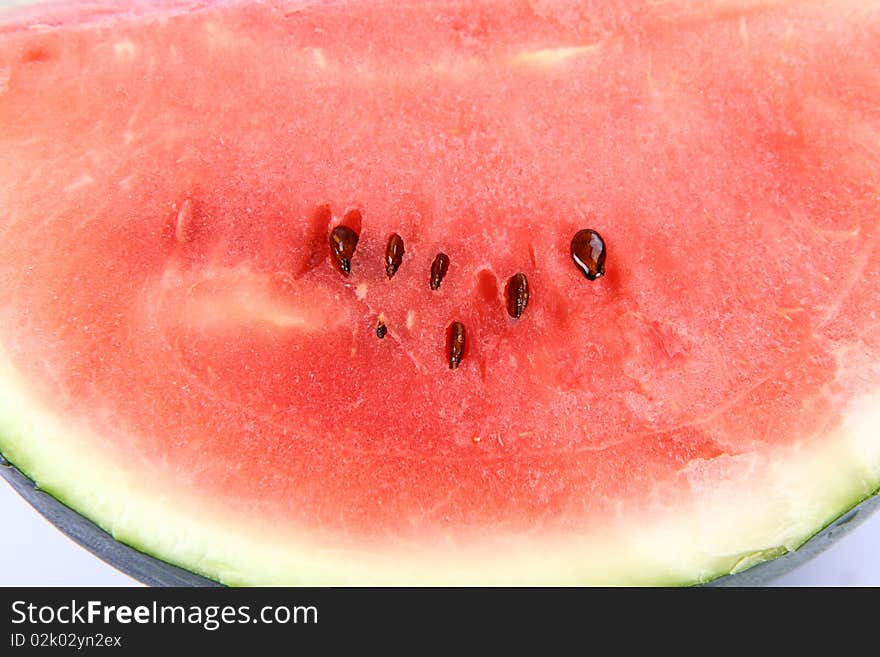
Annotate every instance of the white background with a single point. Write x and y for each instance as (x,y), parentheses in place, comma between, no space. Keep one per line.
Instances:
(33,552)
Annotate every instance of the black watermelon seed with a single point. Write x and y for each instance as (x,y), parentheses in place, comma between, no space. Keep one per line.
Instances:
(393,254)
(438,270)
(343,242)
(381,329)
(456,344)
(588,253)
(517,295)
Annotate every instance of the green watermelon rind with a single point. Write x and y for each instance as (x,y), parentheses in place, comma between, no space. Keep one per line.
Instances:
(135,560)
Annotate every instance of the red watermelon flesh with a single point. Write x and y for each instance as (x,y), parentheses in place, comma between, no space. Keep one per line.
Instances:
(183,361)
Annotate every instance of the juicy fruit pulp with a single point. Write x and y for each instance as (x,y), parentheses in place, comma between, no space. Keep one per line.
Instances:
(171,287)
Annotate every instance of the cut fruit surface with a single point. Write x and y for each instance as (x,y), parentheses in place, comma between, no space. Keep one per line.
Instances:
(185,359)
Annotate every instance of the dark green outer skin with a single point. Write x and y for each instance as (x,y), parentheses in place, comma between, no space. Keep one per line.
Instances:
(140,566)
(154,572)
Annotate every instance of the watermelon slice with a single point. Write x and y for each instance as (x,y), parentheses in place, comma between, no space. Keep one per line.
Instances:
(212,345)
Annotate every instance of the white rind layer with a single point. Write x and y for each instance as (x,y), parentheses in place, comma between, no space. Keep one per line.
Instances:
(743,509)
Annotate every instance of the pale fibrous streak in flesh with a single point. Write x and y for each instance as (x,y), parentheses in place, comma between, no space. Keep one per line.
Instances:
(231,298)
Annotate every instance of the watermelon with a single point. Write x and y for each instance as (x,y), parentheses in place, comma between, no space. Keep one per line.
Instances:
(300,292)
